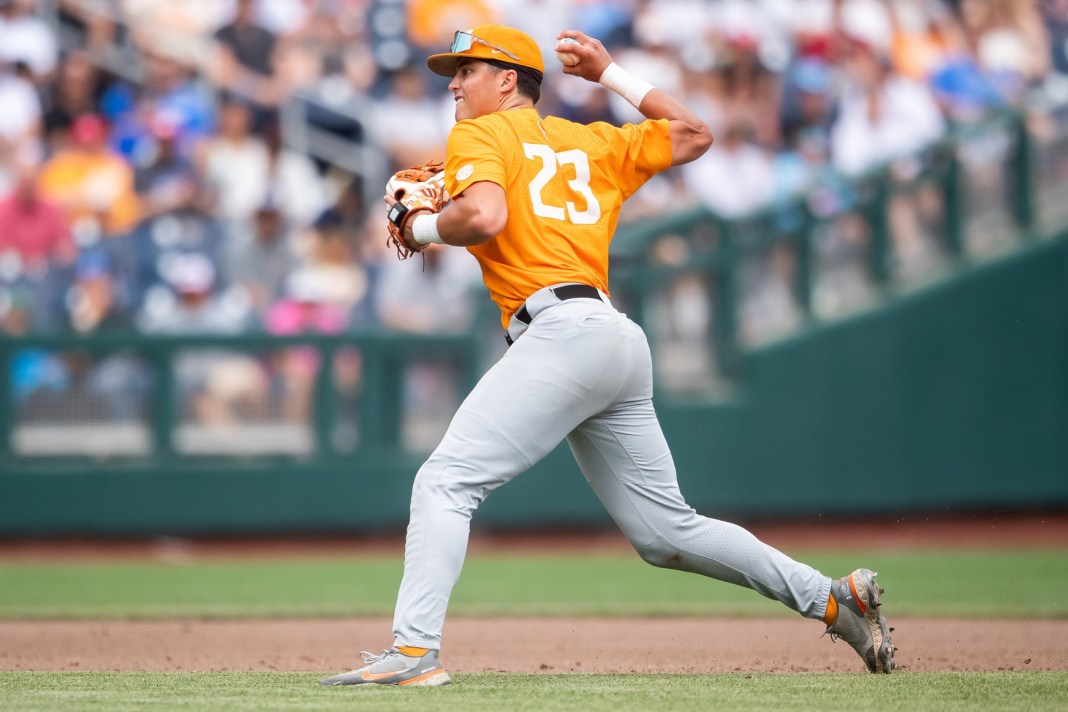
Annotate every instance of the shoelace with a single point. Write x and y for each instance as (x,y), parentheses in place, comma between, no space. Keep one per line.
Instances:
(372,658)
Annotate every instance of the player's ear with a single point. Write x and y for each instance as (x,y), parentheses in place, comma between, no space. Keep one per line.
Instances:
(509,78)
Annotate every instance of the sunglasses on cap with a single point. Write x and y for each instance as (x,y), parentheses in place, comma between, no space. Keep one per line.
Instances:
(462,41)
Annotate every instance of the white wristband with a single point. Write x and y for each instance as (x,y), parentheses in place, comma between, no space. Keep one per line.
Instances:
(425,229)
(625,84)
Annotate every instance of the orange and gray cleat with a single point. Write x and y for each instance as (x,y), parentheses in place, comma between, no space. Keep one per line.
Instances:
(392,667)
(860,621)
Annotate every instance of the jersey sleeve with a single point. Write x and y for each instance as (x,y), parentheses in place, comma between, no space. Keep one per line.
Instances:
(641,150)
(473,155)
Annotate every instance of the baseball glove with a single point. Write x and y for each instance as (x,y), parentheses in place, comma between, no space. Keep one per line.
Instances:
(417,188)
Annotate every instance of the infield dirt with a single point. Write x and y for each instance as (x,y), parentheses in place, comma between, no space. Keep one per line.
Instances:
(546,644)
(528,645)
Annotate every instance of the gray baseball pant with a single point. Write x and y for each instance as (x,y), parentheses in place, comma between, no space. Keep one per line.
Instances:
(581,371)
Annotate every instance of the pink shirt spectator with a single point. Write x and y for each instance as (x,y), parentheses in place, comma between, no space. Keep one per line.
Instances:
(290,316)
(35,229)
(304,311)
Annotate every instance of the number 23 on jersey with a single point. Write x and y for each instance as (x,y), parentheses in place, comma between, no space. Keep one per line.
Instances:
(542,195)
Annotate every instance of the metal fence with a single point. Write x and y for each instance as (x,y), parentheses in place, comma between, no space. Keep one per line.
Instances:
(706,289)
(167,398)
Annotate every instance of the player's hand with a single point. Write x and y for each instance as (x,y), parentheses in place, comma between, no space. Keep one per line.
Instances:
(593,57)
(404,235)
(412,190)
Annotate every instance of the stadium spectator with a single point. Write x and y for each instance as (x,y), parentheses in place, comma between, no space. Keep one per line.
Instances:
(881,115)
(349,211)
(1009,41)
(294,184)
(27,39)
(284,18)
(77,90)
(260,258)
(243,62)
(170,90)
(885,118)
(735,179)
(166,181)
(20,123)
(92,303)
(436,298)
(302,58)
(304,308)
(1055,18)
(408,124)
(143,256)
(93,184)
(32,227)
(181,29)
(234,163)
(190,302)
(750,91)
(94,28)
(332,259)
(926,37)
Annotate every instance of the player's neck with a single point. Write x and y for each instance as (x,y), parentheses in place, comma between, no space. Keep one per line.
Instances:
(515,101)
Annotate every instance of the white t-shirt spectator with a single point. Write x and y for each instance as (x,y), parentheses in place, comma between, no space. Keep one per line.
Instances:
(237,169)
(20,110)
(30,40)
(297,188)
(731,181)
(908,120)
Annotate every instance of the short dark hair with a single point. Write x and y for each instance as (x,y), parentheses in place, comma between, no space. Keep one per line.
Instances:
(528,81)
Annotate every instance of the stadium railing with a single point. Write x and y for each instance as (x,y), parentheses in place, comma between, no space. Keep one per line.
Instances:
(165,399)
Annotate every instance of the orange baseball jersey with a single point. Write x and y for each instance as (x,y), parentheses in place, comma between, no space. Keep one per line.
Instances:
(565,184)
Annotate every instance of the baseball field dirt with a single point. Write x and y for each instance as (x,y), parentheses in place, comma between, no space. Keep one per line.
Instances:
(528,645)
(556,644)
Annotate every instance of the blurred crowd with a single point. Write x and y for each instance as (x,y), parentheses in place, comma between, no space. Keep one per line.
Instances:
(164,196)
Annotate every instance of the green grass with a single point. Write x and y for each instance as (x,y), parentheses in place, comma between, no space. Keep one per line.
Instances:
(1012,583)
(117,692)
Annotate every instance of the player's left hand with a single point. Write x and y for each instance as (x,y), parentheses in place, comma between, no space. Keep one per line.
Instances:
(410,191)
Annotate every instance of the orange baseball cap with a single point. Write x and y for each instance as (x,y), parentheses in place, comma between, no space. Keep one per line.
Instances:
(497,42)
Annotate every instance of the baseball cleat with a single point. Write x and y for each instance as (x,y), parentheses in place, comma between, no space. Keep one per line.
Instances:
(392,667)
(859,621)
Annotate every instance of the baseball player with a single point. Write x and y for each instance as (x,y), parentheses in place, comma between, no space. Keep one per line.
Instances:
(535,200)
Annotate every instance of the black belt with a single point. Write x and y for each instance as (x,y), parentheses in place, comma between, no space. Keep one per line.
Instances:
(563,292)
